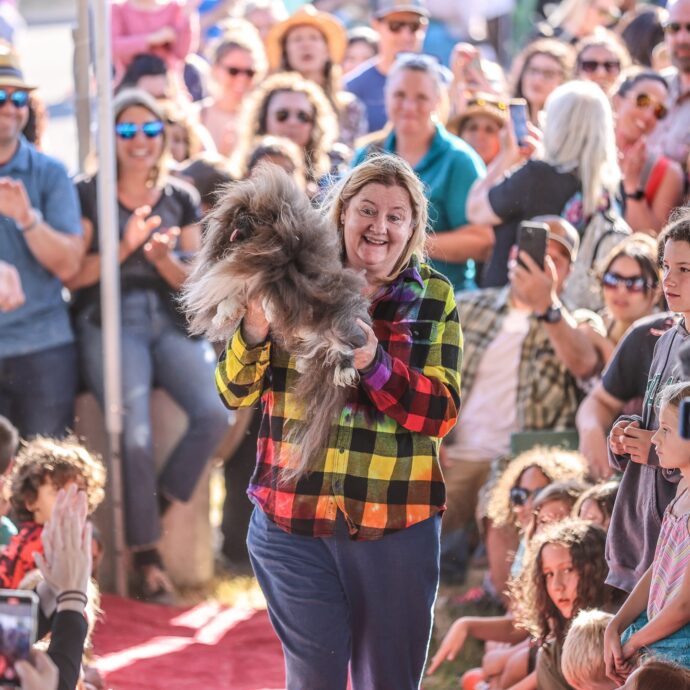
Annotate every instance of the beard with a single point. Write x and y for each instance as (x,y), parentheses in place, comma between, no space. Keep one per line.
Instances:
(681,62)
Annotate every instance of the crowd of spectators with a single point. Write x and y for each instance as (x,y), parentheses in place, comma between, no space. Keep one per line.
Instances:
(571,381)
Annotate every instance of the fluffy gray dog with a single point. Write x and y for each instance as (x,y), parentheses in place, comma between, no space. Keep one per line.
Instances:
(264,241)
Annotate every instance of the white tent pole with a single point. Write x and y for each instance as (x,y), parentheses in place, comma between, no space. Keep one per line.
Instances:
(110,278)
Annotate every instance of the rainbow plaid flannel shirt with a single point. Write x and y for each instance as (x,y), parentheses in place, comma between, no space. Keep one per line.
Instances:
(381,466)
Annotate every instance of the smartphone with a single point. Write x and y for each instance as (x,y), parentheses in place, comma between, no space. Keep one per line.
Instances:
(518,117)
(18,620)
(684,426)
(532,240)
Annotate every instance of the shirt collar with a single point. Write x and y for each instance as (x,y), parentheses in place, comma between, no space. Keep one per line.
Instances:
(405,288)
(21,159)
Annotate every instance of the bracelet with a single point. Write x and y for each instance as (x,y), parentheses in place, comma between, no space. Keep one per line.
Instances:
(72,595)
(37,218)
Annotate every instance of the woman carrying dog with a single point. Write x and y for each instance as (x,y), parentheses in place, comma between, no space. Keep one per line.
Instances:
(347,552)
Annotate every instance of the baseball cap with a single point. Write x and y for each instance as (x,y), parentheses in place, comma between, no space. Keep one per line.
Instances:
(385,7)
(561,231)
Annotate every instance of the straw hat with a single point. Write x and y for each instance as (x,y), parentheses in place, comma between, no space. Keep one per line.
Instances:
(10,71)
(484,104)
(331,28)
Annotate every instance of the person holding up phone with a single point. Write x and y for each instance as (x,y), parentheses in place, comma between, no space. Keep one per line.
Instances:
(524,356)
(576,155)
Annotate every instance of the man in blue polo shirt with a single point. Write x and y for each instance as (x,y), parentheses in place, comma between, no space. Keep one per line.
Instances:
(41,247)
(401,25)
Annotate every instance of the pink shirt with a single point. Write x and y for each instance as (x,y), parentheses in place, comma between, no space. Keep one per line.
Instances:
(670,561)
(131,26)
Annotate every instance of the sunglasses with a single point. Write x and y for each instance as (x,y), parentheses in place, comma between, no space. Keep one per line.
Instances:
(675,27)
(236,71)
(591,66)
(128,130)
(304,117)
(19,98)
(635,284)
(643,100)
(519,495)
(548,74)
(396,25)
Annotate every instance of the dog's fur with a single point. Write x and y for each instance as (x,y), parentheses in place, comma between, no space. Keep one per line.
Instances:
(264,241)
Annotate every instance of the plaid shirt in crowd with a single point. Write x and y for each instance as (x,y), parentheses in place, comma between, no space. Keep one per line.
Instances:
(381,468)
(547,393)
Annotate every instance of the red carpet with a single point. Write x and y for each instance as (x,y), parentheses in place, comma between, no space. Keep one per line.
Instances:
(210,647)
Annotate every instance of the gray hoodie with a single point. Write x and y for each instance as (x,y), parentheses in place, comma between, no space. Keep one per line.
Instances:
(645,490)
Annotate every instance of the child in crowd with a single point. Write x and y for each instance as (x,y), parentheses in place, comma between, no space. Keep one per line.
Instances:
(554,503)
(582,662)
(43,467)
(646,489)
(656,615)
(564,573)
(9,442)
(596,504)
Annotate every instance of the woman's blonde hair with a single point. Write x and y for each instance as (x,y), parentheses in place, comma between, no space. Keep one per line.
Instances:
(579,138)
(254,113)
(555,464)
(390,171)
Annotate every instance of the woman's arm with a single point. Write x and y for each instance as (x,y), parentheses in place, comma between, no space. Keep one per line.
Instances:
(479,209)
(425,400)
(159,251)
(463,243)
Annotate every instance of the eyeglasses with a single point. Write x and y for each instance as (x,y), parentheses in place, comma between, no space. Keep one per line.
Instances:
(236,71)
(128,130)
(302,116)
(630,283)
(519,495)
(675,27)
(548,74)
(19,99)
(591,66)
(396,25)
(643,100)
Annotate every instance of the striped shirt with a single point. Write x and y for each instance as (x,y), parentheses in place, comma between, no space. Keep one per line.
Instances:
(671,559)
(381,466)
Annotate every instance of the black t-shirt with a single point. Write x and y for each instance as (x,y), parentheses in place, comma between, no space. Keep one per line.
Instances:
(534,189)
(626,375)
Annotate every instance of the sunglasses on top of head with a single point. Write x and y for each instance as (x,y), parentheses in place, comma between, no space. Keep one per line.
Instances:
(302,116)
(18,99)
(631,283)
(643,100)
(128,130)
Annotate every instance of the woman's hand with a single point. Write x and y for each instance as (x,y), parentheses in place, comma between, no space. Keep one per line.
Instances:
(364,356)
(617,435)
(452,643)
(161,37)
(160,245)
(613,654)
(138,229)
(632,163)
(255,325)
(66,561)
(41,675)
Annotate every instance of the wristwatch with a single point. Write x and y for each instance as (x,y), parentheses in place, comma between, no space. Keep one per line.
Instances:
(552,315)
(637,195)
(36,218)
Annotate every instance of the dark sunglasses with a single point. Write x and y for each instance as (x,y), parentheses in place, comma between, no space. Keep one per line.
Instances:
(591,66)
(631,283)
(396,25)
(19,98)
(519,495)
(643,100)
(303,116)
(128,130)
(675,27)
(236,71)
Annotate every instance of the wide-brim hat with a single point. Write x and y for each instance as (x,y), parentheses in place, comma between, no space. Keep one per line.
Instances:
(10,70)
(495,108)
(333,31)
(386,7)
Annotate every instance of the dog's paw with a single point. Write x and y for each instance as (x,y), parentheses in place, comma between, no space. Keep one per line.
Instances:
(345,376)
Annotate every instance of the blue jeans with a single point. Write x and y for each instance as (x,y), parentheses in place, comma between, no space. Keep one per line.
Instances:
(37,391)
(334,601)
(156,352)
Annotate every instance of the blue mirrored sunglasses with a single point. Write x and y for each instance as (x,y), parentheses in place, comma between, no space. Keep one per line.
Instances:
(128,130)
(19,98)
